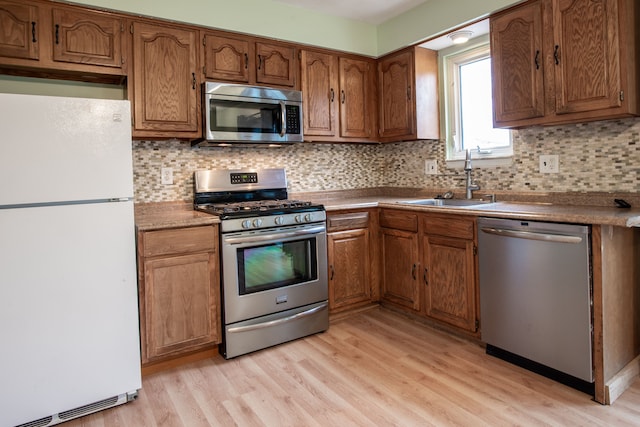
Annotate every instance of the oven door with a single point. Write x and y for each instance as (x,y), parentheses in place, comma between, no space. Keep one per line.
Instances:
(271,271)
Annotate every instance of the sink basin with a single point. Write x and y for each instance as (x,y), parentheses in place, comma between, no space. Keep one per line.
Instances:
(446,202)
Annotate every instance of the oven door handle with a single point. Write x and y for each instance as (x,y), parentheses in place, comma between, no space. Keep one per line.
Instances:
(273,236)
(296,316)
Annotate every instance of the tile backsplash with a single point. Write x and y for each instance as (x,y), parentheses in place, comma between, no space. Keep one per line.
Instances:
(593,157)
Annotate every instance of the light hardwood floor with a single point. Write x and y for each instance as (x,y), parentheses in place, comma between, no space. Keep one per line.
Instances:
(374,368)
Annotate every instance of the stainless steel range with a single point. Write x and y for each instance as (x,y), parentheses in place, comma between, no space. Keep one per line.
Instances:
(273,258)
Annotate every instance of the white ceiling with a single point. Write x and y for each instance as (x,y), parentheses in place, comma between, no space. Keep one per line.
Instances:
(371,11)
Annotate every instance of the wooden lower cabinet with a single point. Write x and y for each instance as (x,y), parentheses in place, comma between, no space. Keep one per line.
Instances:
(449,270)
(400,262)
(350,260)
(179,292)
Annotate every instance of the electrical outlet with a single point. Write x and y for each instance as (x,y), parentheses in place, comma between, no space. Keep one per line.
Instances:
(166,176)
(549,163)
(431,167)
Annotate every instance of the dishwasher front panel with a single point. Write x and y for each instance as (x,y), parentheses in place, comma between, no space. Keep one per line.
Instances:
(535,292)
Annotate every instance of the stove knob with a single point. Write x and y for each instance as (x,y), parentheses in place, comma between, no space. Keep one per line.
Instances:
(246,224)
(257,222)
(308,217)
(279,220)
(298,218)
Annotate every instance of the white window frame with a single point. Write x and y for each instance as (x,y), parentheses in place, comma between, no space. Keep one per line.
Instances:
(451,59)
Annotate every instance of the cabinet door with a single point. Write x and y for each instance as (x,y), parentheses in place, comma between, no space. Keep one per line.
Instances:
(400,267)
(19,30)
(226,58)
(349,268)
(517,64)
(356,98)
(165,89)
(276,65)
(395,88)
(586,55)
(87,38)
(449,279)
(181,297)
(319,87)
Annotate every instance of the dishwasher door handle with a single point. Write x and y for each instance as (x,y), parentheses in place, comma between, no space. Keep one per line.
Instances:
(531,235)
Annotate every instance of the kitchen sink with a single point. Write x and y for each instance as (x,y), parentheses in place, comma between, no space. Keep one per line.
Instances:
(446,202)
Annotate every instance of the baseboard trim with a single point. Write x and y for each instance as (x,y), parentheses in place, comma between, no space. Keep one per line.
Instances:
(621,381)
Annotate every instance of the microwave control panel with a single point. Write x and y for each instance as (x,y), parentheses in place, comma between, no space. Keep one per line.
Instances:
(293,119)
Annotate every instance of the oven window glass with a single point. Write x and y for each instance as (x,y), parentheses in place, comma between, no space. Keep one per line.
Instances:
(238,116)
(276,265)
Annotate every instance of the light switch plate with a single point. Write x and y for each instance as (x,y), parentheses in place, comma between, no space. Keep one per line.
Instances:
(549,163)
(431,167)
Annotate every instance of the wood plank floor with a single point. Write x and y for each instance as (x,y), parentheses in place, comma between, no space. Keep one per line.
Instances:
(374,368)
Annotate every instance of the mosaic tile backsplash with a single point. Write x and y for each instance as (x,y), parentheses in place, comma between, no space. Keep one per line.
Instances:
(593,157)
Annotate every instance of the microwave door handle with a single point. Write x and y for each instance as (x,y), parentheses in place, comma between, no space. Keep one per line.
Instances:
(283,119)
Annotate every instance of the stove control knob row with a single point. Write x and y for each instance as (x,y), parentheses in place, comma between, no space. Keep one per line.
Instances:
(247,223)
(307,218)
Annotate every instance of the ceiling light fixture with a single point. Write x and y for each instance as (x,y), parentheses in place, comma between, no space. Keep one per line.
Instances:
(460,37)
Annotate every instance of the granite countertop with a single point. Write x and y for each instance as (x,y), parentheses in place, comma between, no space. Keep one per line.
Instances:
(155,216)
(151,216)
(514,210)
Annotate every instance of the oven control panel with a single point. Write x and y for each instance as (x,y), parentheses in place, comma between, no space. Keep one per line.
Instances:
(244,178)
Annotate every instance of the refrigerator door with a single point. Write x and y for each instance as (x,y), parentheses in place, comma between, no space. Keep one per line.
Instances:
(68,308)
(57,149)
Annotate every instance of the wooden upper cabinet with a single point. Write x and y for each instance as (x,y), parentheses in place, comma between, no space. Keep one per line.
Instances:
(408,92)
(586,54)
(87,38)
(339,97)
(517,64)
(163,84)
(276,65)
(357,98)
(19,29)
(319,92)
(61,38)
(245,60)
(226,58)
(583,51)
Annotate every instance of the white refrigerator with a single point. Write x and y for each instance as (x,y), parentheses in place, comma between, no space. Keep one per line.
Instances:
(69,340)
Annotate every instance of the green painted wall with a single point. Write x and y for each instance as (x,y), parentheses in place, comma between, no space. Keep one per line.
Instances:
(280,21)
(434,17)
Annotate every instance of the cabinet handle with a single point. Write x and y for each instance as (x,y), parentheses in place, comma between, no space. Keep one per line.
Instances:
(536,60)
(343,96)
(424,276)
(193,81)
(333,271)
(57,34)
(333,95)
(409,93)
(259,62)
(33,31)
(555,54)
(246,61)
(413,272)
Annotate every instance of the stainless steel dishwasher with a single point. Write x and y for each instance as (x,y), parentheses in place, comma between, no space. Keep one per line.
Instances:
(536,297)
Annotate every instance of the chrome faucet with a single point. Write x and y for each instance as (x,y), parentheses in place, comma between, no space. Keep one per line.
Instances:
(470,185)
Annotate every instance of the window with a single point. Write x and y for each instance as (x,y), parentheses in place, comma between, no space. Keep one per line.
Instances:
(469,109)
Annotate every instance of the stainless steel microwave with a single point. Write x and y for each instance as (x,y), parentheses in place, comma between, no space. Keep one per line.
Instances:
(235,113)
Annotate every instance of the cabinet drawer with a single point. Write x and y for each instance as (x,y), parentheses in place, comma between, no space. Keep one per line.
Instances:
(179,240)
(399,220)
(347,221)
(449,226)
